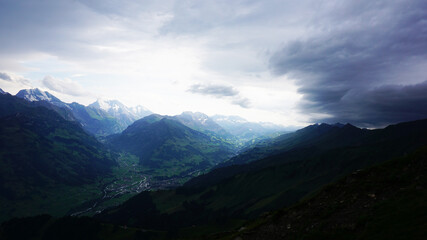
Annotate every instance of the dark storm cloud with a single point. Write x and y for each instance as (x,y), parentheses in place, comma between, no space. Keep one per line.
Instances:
(221,91)
(365,66)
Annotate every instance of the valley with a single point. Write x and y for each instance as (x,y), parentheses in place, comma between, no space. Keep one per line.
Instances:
(128,179)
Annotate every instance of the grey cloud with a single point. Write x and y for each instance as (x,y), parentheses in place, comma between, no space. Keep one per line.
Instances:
(195,17)
(242,102)
(348,70)
(214,90)
(65,86)
(16,79)
(59,28)
(5,76)
(221,91)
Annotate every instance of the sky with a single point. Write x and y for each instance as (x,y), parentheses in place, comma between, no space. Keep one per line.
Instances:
(287,62)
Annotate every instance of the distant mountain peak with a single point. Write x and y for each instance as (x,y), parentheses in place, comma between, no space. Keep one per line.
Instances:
(197,116)
(36,94)
(108,105)
(140,109)
(233,118)
(118,110)
(2,92)
(340,125)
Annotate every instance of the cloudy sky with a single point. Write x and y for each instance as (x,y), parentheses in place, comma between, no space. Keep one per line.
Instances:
(288,62)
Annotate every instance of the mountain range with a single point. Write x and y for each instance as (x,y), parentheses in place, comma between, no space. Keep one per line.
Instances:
(106,117)
(226,196)
(247,131)
(42,155)
(324,181)
(100,118)
(125,115)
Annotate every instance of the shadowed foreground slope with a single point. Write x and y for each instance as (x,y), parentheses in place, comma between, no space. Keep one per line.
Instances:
(388,201)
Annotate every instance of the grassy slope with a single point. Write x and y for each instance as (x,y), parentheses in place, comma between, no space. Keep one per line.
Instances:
(168,146)
(388,201)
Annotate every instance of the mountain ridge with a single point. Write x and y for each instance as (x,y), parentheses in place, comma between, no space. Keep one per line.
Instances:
(159,141)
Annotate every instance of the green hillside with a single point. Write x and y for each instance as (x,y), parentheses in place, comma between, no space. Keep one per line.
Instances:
(43,156)
(388,201)
(166,145)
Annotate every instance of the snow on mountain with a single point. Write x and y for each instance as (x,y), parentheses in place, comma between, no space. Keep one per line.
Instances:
(36,94)
(230,119)
(113,107)
(2,92)
(118,110)
(141,111)
(196,116)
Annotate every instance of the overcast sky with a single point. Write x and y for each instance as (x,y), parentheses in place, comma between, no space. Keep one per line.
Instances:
(288,62)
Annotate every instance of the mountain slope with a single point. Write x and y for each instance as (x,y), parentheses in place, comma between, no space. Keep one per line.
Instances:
(323,135)
(202,123)
(39,150)
(164,143)
(387,201)
(384,202)
(267,184)
(95,121)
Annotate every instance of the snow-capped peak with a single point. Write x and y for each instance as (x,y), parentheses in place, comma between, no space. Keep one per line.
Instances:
(2,92)
(118,109)
(232,119)
(101,104)
(37,95)
(140,111)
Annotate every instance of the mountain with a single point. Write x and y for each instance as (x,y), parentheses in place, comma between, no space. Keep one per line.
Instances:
(2,92)
(140,111)
(224,197)
(324,135)
(387,201)
(165,144)
(202,123)
(34,95)
(118,110)
(42,155)
(247,131)
(95,121)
